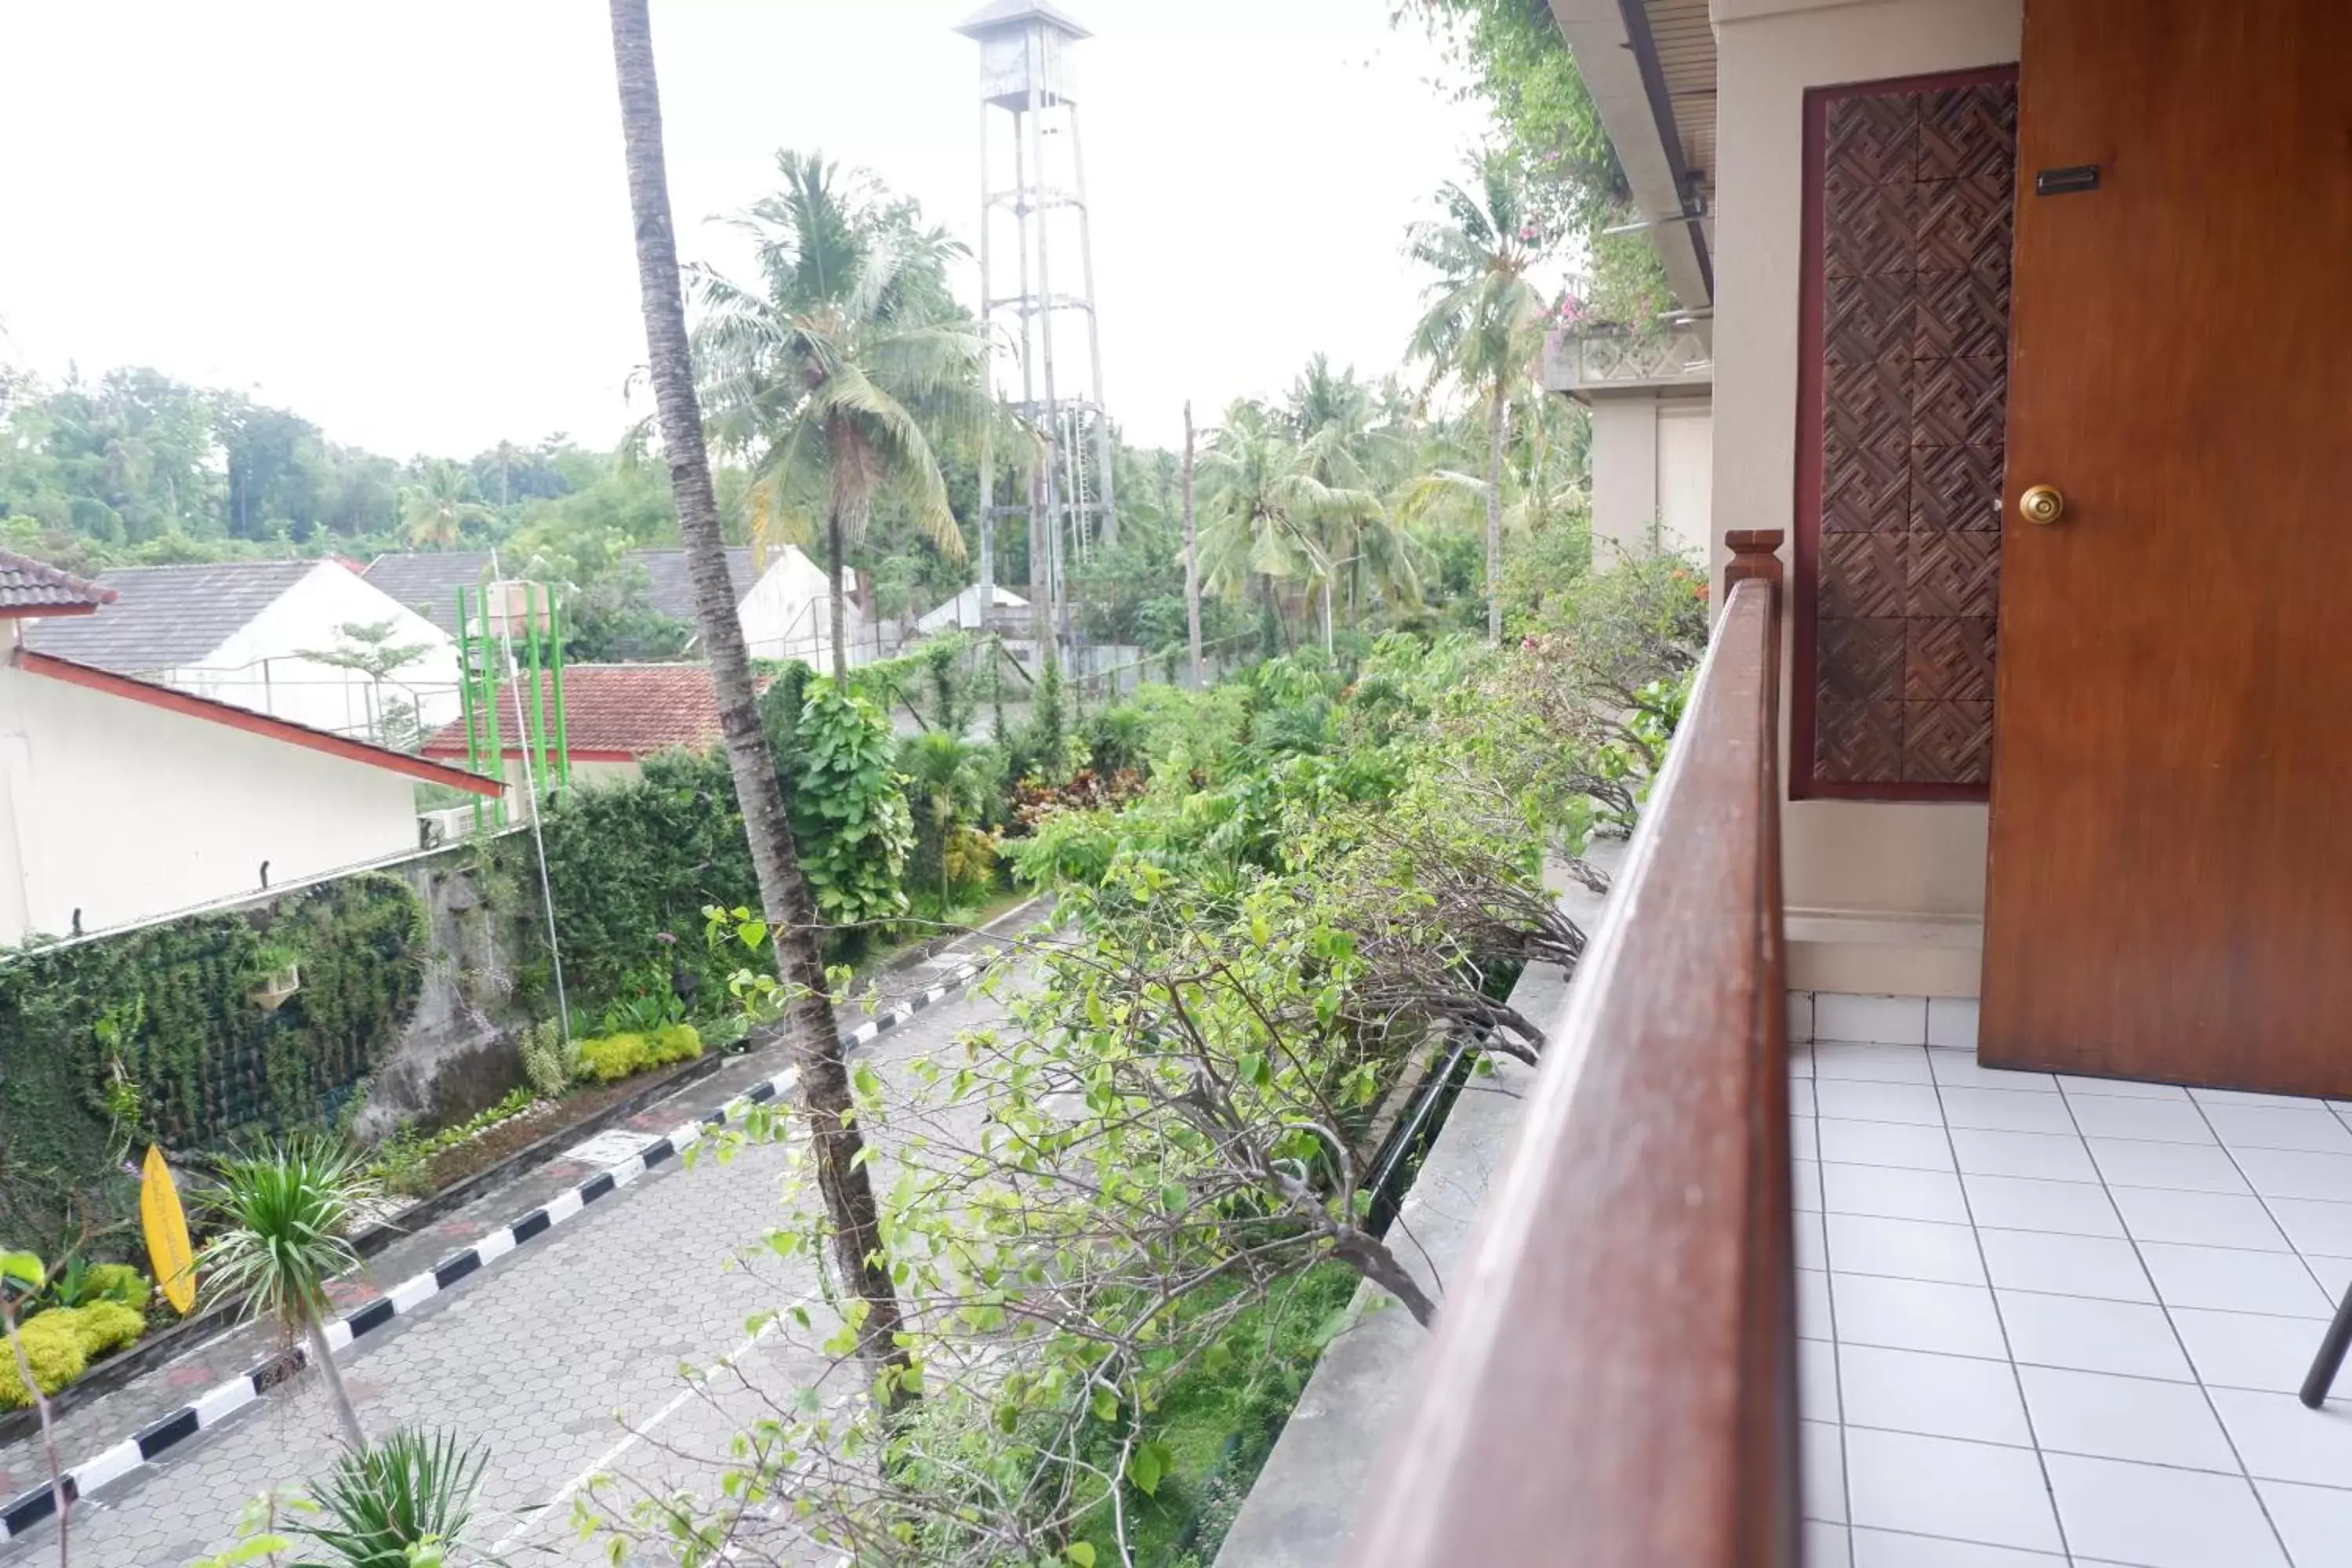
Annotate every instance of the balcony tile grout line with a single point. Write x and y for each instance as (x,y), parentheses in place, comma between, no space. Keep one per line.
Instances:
(224,1400)
(2016,1378)
(2227,1436)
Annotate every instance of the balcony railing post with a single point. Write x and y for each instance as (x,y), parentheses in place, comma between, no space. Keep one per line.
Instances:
(1755,556)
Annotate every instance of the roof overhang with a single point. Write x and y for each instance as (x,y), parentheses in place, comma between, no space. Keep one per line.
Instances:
(1658,109)
(268,726)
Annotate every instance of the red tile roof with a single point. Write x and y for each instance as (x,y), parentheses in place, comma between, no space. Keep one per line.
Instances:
(611,713)
(30,587)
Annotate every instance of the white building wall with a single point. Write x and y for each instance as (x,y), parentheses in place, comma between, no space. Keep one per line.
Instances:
(260,666)
(126,811)
(1652,475)
(788,614)
(1876,874)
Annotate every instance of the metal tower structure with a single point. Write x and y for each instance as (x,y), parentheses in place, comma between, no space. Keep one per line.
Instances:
(1028,105)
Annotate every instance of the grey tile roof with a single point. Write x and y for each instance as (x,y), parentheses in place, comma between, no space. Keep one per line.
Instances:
(168,616)
(672,587)
(32,586)
(427,582)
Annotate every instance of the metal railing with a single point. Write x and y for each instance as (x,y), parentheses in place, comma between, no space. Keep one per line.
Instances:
(1613,1380)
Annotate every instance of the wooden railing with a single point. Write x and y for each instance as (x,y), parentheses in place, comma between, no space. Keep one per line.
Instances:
(1613,1380)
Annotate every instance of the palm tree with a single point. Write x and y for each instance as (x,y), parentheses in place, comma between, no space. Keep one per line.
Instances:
(1333,416)
(285,1218)
(1543,482)
(435,510)
(1266,519)
(837,1144)
(828,370)
(946,787)
(1483,326)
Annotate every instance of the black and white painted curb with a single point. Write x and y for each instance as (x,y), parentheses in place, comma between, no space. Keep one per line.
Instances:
(636,1156)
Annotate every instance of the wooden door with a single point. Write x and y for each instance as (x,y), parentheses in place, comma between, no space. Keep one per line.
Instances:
(2170,883)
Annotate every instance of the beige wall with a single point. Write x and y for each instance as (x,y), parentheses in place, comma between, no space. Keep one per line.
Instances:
(1652,473)
(1881,898)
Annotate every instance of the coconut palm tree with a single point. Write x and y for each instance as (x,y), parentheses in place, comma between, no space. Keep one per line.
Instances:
(826,1107)
(831,371)
(1543,480)
(1483,326)
(1269,512)
(283,1219)
(1334,419)
(435,510)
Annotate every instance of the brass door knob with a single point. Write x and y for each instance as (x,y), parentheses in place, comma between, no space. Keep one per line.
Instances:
(2042,503)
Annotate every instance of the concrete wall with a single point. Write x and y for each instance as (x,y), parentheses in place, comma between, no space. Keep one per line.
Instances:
(1653,474)
(1882,897)
(260,668)
(126,811)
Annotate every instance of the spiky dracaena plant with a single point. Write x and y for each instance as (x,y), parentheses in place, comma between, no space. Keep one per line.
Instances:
(284,1216)
(404,1501)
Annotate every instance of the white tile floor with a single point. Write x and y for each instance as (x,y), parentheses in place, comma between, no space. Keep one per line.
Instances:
(2053,1320)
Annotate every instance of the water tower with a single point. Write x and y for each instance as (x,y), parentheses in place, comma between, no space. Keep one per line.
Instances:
(1034,174)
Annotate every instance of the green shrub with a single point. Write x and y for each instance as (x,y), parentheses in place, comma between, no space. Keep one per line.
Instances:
(118,1282)
(52,1346)
(104,1326)
(617,1057)
(550,1061)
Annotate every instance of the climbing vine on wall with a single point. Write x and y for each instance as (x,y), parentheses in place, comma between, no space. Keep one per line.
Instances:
(153,1036)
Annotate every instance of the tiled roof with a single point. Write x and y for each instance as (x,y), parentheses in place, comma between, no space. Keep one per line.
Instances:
(611,710)
(29,587)
(670,587)
(428,581)
(164,618)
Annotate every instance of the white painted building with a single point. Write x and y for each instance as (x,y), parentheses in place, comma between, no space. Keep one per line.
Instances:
(122,799)
(973,609)
(241,633)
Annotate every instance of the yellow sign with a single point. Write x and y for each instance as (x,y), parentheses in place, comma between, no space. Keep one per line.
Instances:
(167,1233)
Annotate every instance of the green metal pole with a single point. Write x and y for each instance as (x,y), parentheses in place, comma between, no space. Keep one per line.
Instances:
(491,673)
(555,667)
(538,708)
(466,700)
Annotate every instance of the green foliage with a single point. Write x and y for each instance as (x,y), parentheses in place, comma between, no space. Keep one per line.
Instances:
(281,1219)
(53,1345)
(848,816)
(149,1036)
(403,1502)
(61,1342)
(548,1060)
(617,1057)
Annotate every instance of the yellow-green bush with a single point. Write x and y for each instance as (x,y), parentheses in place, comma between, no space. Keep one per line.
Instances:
(61,1342)
(54,1348)
(617,1057)
(104,1326)
(118,1282)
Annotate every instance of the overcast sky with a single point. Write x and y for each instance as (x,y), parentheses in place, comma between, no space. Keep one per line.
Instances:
(407,220)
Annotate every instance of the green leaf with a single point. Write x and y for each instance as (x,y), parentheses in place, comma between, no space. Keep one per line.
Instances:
(1147,1464)
(22,1269)
(1105,1404)
(1081,1552)
(752,933)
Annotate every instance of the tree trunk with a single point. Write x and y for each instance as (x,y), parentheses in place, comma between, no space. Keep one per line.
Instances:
(1494,518)
(825,1102)
(324,1359)
(1191,554)
(833,544)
